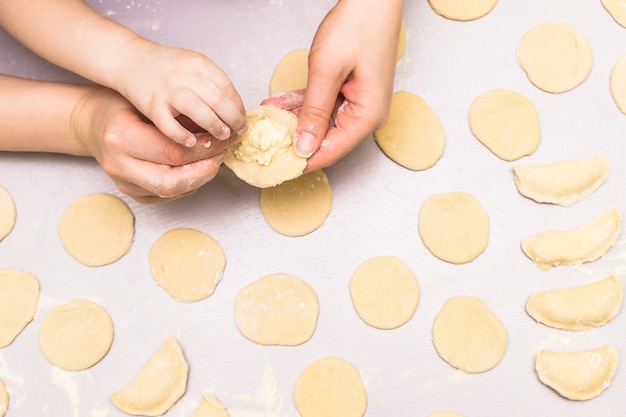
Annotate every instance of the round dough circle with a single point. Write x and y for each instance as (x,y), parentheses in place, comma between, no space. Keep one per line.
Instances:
(506,122)
(468,335)
(385,292)
(19,298)
(401,42)
(8,214)
(413,136)
(462,10)
(4,399)
(291,72)
(187,263)
(617,10)
(617,83)
(330,387)
(76,335)
(97,229)
(555,56)
(278,309)
(299,206)
(454,227)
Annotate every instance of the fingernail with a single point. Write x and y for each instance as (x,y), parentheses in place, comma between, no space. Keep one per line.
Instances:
(191,141)
(305,144)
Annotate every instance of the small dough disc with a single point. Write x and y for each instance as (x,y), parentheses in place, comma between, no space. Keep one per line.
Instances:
(299,206)
(617,10)
(187,263)
(291,72)
(555,56)
(210,407)
(462,10)
(454,227)
(160,383)
(264,162)
(506,122)
(468,335)
(278,309)
(330,387)
(76,335)
(4,399)
(413,136)
(19,298)
(8,214)
(385,292)
(97,229)
(617,83)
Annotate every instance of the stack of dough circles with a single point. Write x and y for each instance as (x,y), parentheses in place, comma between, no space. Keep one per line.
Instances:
(330,387)
(506,122)
(8,214)
(555,56)
(19,298)
(97,229)
(617,10)
(385,292)
(299,206)
(454,227)
(413,136)
(265,156)
(4,399)
(617,83)
(462,10)
(77,335)
(278,309)
(291,72)
(187,263)
(468,335)
(160,383)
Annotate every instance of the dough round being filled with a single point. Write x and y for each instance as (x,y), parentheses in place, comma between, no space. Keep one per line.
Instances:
(265,156)
(413,136)
(330,387)
(506,122)
(385,292)
(462,10)
(19,298)
(187,263)
(97,229)
(555,56)
(617,10)
(4,399)
(617,83)
(76,335)
(299,206)
(291,72)
(454,227)
(278,309)
(8,214)
(468,335)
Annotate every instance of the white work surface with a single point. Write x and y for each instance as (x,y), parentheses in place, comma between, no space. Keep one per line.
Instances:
(375,208)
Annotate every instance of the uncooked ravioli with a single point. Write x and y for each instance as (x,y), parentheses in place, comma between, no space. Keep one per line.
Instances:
(76,335)
(384,292)
(330,387)
(278,309)
(462,10)
(413,136)
(4,399)
(617,83)
(299,206)
(506,122)
(97,229)
(19,297)
(555,56)
(617,9)
(8,214)
(187,263)
(468,335)
(291,72)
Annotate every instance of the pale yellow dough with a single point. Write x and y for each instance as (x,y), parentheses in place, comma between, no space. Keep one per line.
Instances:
(617,83)
(97,229)
(588,242)
(265,156)
(76,335)
(578,308)
(506,122)
(413,136)
(555,56)
(4,399)
(454,227)
(462,10)
(468,335)
(577,375)
(617,10)
(19,298)
(330,387)
(401,42)
(299,206)
(8,213)
(159,385)
(187,263)
(278,309)
(564,183)
(291,72)
(210,407)
(385,292)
